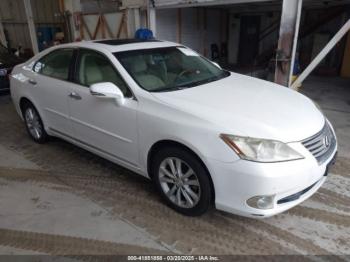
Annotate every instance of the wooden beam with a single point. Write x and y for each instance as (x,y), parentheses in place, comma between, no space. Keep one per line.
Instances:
(81,27)
(96,28)
(109,31)
(126,29)
(121,25)
(3,40)
(205,32)
(102,25)
(31,25)
(84,26)
(338,36)
(290,19)
(61,6)
(295,42)
(323,19)
(179,26)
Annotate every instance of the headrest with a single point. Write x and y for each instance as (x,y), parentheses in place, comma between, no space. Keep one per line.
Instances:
(138,65)
(93,72)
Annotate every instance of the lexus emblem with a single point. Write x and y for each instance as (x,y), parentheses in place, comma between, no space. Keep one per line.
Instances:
(326,141)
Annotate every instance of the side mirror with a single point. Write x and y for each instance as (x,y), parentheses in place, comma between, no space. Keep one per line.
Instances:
(107,90)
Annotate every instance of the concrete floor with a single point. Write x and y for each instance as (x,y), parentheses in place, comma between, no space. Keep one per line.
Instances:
(59,199)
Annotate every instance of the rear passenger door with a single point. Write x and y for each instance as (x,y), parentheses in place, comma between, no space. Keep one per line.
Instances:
(51,88)
(100,123)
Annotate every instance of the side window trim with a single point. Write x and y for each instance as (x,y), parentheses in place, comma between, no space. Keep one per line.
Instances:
(75,78)
(74,49)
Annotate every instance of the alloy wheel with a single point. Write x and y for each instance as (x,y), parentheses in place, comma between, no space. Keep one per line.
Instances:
(179,182)
(33,123)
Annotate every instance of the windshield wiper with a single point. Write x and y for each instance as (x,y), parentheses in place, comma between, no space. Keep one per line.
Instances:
(167,89)
(189,85)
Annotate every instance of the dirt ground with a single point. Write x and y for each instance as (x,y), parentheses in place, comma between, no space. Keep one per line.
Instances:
(320,225)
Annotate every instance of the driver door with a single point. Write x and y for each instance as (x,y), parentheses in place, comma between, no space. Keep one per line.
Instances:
(100,123)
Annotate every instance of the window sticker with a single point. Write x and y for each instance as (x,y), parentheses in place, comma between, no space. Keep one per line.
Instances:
(187,51)
(38,66)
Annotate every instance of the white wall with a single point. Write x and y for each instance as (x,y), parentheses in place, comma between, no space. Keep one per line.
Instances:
(193,33)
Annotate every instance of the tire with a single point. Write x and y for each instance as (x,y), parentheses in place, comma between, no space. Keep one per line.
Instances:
(188,191)
(34,124)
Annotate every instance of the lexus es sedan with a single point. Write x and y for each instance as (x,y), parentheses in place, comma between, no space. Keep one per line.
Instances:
(205,136)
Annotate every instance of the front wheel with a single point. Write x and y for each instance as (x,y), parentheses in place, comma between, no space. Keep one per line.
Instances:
(182,181)
(34,124)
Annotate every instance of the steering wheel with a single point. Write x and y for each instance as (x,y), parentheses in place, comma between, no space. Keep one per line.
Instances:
(184,72)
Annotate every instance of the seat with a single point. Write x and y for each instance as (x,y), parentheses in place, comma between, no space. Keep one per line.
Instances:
(138,68)
(90,73)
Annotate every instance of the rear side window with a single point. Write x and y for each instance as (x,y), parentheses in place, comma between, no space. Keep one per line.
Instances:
(56,64)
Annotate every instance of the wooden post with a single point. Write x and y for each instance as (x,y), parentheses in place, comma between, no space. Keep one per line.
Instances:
(122,24)
(81,28)
(291,11)
(205,32)
(295,42)
(96,28)
(3,40)
(102,22)
(126,19)
(31,25)
(179,26)
(109,31)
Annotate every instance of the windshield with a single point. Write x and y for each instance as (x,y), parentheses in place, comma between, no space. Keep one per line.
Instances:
(168,69)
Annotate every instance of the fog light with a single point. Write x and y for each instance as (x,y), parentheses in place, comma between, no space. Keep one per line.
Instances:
(261,202)
(3,72)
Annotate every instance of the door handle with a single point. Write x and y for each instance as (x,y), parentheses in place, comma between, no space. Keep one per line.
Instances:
(32,81)
(75,96)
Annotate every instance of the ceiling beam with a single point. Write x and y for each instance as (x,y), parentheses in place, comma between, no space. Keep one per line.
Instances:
(190,3)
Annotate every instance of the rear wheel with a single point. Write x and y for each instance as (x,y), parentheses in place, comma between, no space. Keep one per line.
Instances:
(182,181)
(34,124)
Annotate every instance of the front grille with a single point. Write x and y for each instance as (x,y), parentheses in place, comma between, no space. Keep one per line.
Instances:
(321,145)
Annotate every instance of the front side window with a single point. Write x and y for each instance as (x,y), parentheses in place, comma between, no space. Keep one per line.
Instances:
(56,64)
(95,68)
(170,68)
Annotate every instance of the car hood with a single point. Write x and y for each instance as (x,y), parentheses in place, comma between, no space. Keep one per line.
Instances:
(247,106)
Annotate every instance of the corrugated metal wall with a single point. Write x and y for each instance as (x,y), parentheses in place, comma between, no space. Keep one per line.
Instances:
(12,14)
(99,6)
(14,23)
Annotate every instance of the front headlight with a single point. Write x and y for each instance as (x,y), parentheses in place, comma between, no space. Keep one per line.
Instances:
(260,150)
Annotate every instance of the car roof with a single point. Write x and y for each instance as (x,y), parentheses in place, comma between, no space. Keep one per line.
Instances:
(119,45)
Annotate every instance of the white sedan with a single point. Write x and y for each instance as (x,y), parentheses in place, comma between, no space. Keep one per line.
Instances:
(204,135)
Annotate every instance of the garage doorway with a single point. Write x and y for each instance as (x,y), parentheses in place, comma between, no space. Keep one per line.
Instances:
(249,40)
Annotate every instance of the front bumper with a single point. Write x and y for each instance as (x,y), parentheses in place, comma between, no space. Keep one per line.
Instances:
(291,182)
